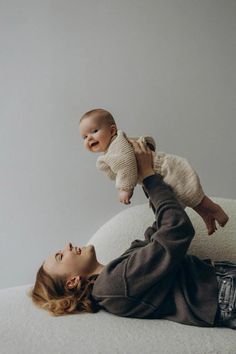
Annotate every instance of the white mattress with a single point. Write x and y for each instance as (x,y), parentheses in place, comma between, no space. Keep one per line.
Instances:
(27,329)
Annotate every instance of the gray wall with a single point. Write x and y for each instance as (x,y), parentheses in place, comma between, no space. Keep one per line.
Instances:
(165,68)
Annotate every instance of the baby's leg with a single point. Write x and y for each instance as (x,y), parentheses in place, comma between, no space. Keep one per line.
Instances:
(211,212)
(180,175)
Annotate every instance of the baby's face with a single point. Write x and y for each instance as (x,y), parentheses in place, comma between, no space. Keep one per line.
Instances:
(96,134)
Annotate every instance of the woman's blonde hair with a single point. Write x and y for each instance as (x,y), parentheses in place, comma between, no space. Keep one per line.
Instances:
(52,295)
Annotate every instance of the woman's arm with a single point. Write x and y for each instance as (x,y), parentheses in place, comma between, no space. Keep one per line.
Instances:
(170,235)
(169,240)
(144,159)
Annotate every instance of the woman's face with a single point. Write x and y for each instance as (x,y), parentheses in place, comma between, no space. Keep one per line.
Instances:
(72,261)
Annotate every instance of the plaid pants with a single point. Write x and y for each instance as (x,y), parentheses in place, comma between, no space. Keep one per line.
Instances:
(226,278)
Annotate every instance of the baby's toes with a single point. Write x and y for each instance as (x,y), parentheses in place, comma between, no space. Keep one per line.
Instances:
(222,220)
(211,226)
(221,217)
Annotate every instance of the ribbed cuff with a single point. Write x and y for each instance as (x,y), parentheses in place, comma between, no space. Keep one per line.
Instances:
(152,180)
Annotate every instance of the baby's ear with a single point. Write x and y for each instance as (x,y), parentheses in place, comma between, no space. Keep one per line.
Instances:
(113,129)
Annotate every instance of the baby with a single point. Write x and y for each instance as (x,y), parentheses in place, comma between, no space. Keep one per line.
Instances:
(100,134)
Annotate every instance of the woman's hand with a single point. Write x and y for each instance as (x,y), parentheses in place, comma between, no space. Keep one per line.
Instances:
(144,159)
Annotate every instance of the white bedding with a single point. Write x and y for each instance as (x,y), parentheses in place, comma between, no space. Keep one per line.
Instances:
(27,329)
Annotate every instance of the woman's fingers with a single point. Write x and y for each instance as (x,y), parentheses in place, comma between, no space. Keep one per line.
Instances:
(139,146)
(136,146)
(143,146)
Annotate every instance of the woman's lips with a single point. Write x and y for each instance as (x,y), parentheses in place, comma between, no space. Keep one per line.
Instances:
(78,250)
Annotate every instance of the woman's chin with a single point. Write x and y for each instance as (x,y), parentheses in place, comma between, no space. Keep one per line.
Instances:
(91,247)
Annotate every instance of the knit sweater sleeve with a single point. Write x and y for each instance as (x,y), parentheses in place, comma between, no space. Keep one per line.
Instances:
(103,165)
(119,163)
(181,176)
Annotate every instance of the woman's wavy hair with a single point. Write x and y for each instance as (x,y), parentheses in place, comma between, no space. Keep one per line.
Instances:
(52,295)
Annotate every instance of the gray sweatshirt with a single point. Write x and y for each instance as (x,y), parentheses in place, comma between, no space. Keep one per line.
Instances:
(154,278)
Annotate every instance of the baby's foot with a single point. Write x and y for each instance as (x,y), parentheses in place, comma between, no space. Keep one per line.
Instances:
(220,216)
(207,218)
(212,214)
(210,222)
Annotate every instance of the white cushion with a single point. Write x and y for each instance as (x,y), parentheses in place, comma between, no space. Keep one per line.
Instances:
(114,237)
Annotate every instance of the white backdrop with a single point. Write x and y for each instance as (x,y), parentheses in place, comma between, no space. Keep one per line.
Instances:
(166,68)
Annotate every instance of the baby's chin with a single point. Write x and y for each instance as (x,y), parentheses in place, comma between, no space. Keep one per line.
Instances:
(96,149)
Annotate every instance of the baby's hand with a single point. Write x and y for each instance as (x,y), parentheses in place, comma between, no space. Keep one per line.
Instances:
(124,196)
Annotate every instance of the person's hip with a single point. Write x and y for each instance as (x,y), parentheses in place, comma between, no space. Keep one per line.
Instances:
(226,279)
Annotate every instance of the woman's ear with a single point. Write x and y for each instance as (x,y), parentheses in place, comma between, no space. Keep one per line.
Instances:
(73,282)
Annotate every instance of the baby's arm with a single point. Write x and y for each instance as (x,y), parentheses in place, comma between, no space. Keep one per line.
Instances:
(103,166)
(119,163)
(126,179)
(124,195)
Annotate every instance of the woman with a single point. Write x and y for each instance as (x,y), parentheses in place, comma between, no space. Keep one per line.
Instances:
(154,278)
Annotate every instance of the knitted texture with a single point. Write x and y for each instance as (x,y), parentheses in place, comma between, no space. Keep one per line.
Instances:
(180,175)
(119,163)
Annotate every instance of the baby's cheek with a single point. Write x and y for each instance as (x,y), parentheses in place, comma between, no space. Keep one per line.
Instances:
(86,145)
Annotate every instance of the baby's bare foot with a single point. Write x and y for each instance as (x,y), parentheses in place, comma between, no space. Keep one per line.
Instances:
(220,216)
(211,212)
(210,223)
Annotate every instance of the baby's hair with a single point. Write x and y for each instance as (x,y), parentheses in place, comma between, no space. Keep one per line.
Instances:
(101,114)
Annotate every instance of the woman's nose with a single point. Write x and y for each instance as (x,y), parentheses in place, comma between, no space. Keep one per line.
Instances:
(69,246)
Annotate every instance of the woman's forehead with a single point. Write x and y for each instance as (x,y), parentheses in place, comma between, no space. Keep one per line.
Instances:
(50,263)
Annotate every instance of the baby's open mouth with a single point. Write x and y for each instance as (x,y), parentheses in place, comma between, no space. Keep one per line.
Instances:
(94,144)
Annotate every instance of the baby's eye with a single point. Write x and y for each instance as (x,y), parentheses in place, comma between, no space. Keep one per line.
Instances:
(84,137)
(95,131)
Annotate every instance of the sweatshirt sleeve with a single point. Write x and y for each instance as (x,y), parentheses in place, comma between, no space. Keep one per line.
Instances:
(170,237)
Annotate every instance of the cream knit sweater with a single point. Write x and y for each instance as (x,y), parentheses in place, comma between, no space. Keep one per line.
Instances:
(119,164)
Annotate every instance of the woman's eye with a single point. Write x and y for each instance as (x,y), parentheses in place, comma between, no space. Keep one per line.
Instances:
(59,256)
